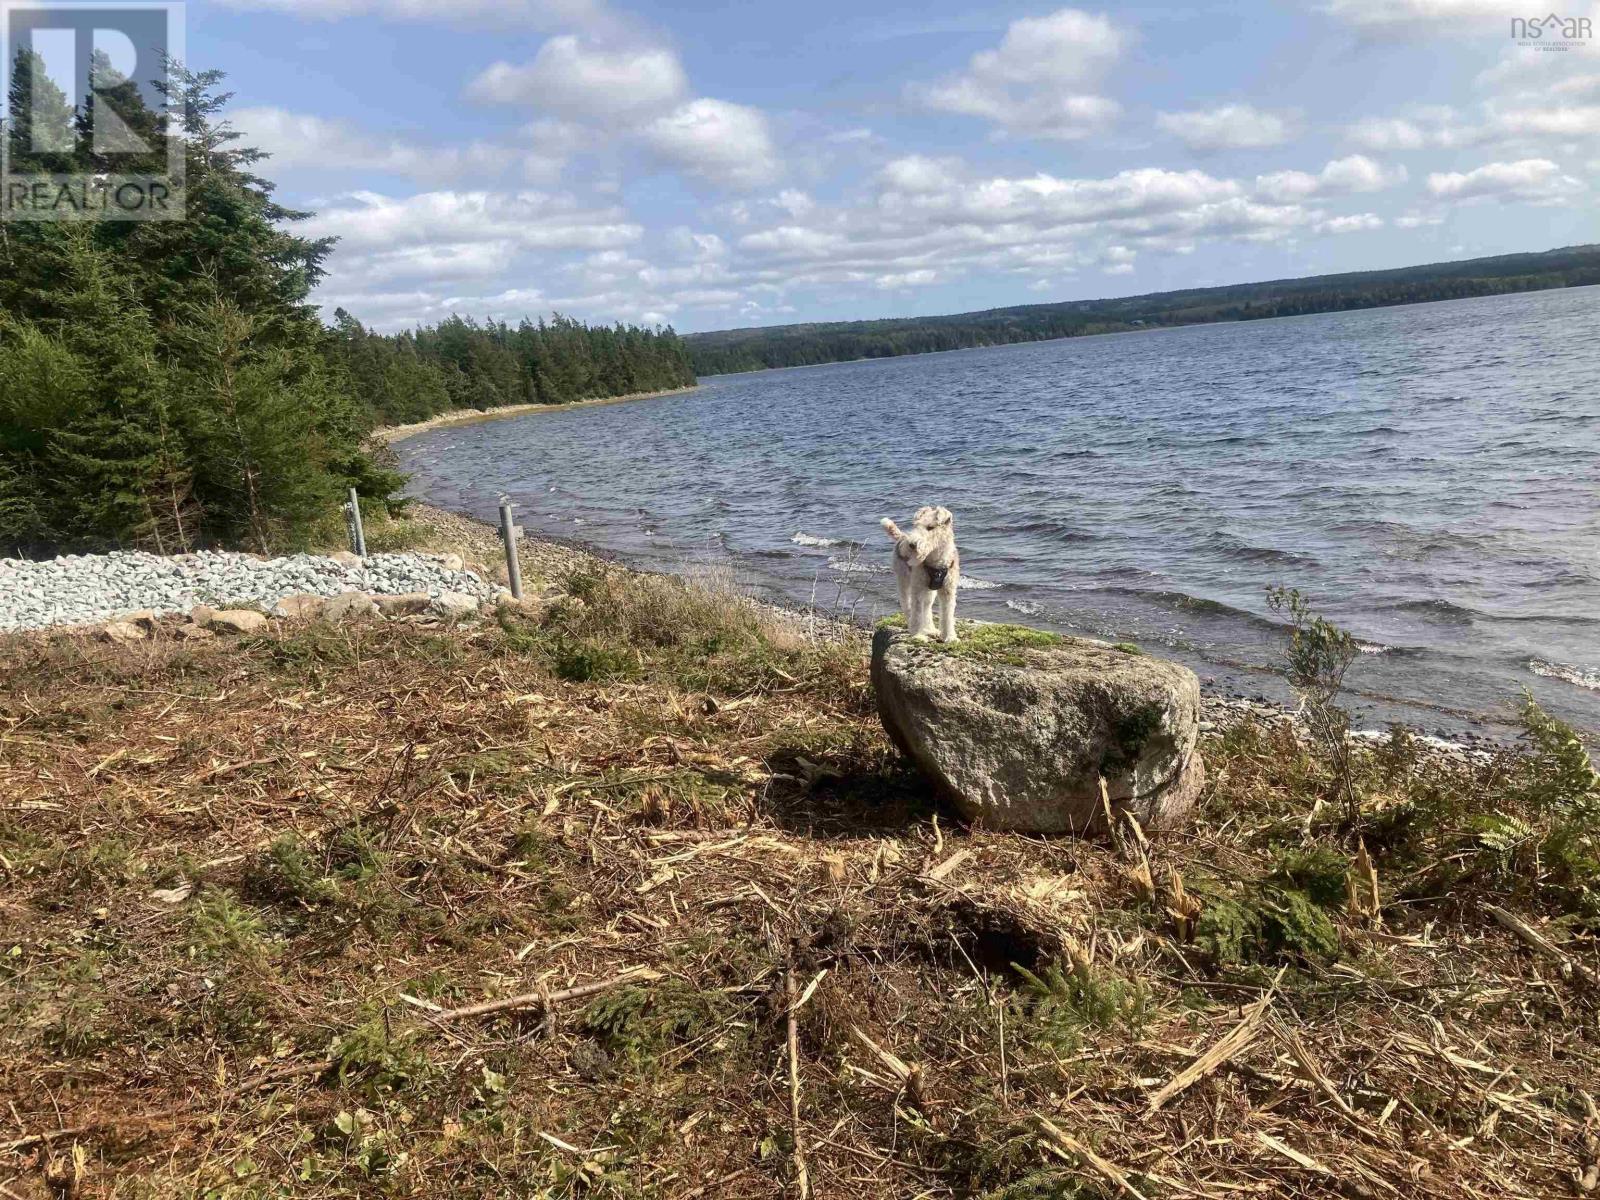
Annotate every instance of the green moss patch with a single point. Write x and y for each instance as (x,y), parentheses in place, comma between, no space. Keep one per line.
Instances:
(982,640)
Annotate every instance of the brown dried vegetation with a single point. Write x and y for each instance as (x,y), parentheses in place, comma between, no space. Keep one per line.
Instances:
(249,888)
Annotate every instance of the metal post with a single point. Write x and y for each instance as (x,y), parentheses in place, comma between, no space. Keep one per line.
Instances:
(508,531)
(359,534)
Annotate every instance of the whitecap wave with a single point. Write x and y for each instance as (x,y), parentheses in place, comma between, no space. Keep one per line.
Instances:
(1577,676)
(974,584)
(1026,607)
(811,539)
(851,566)
(1372,647)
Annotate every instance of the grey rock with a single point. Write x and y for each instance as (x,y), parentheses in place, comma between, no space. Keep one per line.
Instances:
(121,631)
(455,606)
(349,606)
(1019,738)
(407,604)
(236,620)
(300,606)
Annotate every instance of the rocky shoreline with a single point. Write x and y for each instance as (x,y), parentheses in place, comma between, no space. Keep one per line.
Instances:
(126,596)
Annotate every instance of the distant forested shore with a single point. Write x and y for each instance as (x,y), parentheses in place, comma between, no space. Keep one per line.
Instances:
(408,377)
(731,350)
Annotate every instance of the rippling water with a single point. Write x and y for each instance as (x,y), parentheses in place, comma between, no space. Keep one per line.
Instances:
(1429,474)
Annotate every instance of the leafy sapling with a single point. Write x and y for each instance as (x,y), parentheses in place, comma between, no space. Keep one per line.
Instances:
(1318,655)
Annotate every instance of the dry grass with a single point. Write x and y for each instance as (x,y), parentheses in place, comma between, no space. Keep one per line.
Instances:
(241,881)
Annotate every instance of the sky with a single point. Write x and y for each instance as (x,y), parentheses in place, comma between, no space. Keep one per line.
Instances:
(713,164)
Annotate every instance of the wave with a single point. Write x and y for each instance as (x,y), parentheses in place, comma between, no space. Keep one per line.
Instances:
(1196,604)
(1442,611)
(1027,608)
(811,539)
(973,583)
(1566,619)
(1056,531)
(1237,547)
(851,567)
(1582,677)
(1447,612)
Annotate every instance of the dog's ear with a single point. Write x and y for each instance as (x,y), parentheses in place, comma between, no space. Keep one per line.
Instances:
(943,516)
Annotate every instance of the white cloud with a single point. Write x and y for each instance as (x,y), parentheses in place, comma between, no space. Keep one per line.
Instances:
(1354,223)
(1563,121)
(521,14)
(1141,191)
(717,141)
(1356,173)
(1447,16)
(1118,260)
(906,279)
(1041,80)
(638,93)
(369,222)
(584,81)
(794,202)
(1387,133)
(1537,180)
(1436,126)
(918,173)
(1228,127)
(304,141)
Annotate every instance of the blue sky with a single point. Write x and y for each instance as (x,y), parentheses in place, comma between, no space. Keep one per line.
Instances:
(716,164)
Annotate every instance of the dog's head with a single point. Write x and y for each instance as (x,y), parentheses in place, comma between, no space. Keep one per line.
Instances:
(931,528)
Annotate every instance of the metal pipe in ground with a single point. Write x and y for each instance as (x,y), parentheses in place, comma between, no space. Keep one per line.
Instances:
(508,531)
(358,535)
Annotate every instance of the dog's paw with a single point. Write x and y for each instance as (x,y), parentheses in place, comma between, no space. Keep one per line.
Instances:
(951,640)
(924,636)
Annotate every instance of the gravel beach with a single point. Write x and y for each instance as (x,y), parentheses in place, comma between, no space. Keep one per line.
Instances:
(81,589)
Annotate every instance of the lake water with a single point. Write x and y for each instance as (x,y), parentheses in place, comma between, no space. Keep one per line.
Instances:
(1430,475)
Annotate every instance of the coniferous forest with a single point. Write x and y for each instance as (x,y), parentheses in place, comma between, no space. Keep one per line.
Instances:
(168,385)
(460,363)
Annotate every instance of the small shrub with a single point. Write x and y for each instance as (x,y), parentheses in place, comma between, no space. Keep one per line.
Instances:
(591,661)
(1318,871)
(290,872)
(1318,656)
(1061,1003)
(1264,923)
(638,1024)
(226,928)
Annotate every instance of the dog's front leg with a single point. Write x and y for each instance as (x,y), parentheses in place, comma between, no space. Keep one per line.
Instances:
(947,608)
(902,580)
(924,602)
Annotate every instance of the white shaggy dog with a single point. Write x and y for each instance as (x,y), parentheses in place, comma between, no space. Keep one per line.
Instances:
(926,564)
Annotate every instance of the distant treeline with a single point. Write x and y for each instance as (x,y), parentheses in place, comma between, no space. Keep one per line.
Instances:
(411,376)
(802,345)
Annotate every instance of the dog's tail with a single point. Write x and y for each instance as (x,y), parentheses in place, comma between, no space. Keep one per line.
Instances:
(891,529)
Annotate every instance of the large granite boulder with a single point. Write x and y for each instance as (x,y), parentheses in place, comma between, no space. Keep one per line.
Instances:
(1018,726)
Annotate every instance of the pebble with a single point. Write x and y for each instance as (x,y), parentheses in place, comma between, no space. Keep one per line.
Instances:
(82,589)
